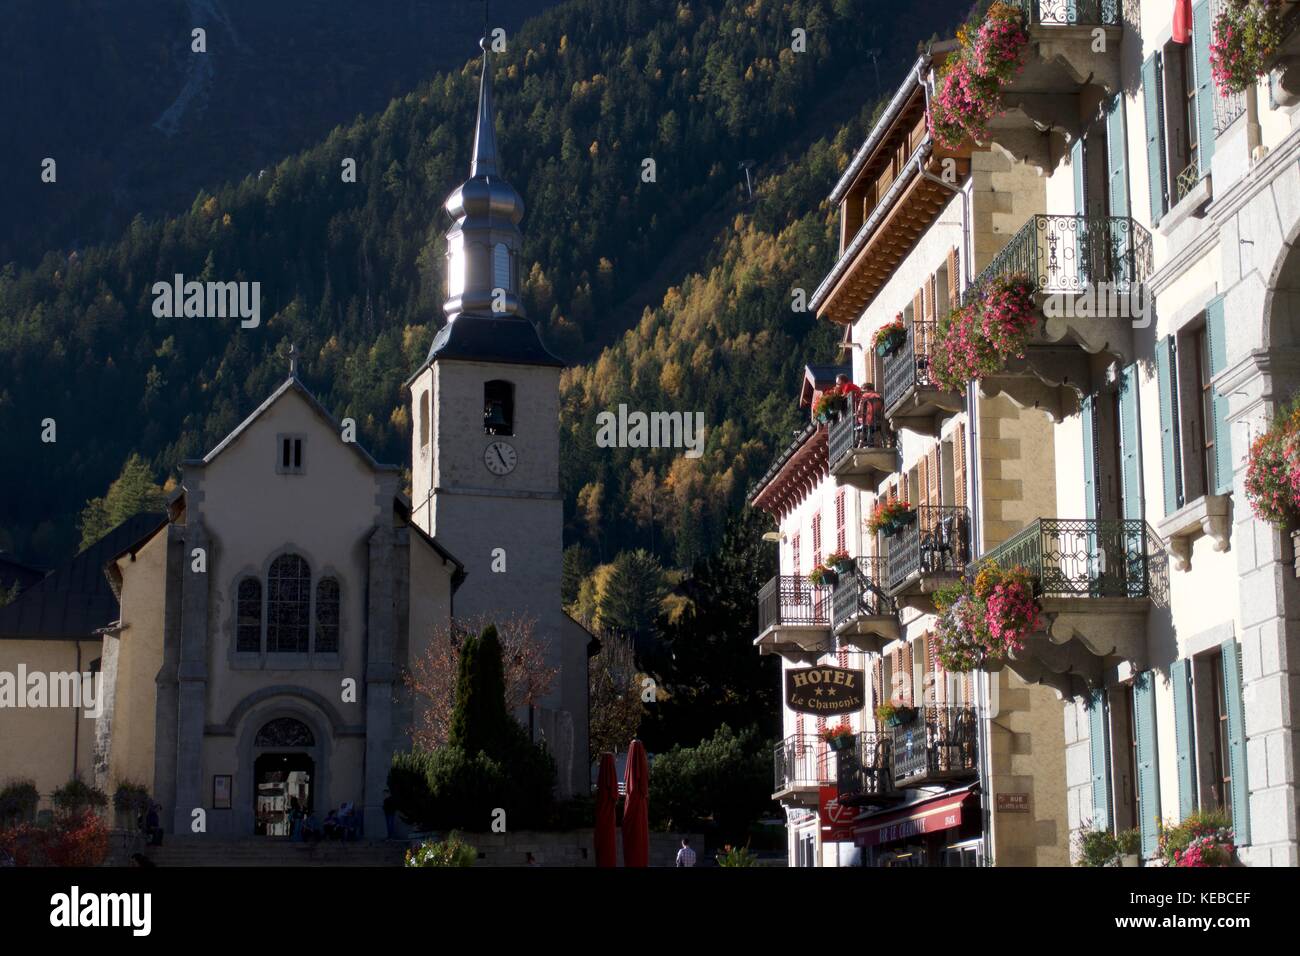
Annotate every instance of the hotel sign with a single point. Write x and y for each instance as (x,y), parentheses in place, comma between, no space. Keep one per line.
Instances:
(824,690)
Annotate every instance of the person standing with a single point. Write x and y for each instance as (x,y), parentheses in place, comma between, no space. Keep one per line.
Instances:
(686,856)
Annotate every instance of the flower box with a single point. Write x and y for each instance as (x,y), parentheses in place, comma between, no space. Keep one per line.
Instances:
(890,338)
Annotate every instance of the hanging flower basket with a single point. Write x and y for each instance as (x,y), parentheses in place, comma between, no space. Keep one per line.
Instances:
(1273,474)
(839,737)
(1247,35)
(985,617)
(840,563)
(890,517)
(890,338)
(969,91)
(976,340)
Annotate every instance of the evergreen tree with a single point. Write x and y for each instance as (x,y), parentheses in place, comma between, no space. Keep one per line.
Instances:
(633,597)
(133,493)
(480,721)
(575,566)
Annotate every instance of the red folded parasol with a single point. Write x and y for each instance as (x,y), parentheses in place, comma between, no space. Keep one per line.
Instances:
(607,812)
(636,807)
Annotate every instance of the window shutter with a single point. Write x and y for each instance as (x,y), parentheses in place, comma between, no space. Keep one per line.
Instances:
(840,535)
(932,287)
(954,278)
(1155,119)
(1169,453)
(1148,770)
(1216,330)
(1180,675)
(794,556)
(1236,741)
(842,657)
(1099,747)
(1077,169)
(878,683)
(959,466)
(1130,443)
(923,480)
(1088,414)
(1202,24)
(932,491)
(1117,159)
(909,669)
(817,538)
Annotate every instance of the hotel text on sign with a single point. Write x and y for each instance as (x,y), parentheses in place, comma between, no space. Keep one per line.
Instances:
(824,690)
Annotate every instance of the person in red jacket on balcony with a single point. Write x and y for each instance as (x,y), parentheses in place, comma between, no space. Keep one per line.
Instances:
(871,415)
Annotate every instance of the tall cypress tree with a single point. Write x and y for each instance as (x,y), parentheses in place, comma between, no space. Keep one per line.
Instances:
(480,721)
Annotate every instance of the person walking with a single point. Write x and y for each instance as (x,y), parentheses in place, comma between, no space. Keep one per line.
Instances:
(686,856)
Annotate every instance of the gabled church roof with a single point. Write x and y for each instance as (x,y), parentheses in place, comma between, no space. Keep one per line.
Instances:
(75,599)
(295,384)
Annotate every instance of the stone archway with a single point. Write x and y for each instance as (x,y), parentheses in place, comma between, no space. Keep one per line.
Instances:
(284,728)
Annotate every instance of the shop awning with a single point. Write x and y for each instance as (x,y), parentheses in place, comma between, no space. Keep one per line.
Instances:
(927,816)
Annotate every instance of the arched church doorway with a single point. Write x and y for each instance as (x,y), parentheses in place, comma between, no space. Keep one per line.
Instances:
(284,776)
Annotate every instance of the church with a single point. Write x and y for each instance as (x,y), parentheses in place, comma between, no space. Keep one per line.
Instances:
(264,623)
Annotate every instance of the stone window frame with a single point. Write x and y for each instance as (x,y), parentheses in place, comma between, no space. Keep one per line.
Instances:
(264,659)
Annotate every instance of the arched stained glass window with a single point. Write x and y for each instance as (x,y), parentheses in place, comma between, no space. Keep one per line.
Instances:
(288,599)
(284,732)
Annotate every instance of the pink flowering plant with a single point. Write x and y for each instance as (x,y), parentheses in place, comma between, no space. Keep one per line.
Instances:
(976,339)
(969,90)
(1273,470)
(1204,839)
(1008,317)
(1246,35)
(985,617)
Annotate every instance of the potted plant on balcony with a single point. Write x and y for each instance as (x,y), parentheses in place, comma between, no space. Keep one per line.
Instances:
(830,404)
(1247,35)
(890,338)
(969,89)
(1273,474)
(839,737)
(895,713)
(822,575)
(840,562)
(890,517)
(1129,843)
(985,617)
(1203,839)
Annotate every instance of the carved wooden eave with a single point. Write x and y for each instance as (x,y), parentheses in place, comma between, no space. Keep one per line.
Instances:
(804,468)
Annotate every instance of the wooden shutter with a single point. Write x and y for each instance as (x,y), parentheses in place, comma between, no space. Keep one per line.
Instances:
(935,483)
(954,277)
(931,682)
(794,556)
(817,538)
(959,466)
(968,690)
(923,480)
(909,669)
(877,682)
(1216,332)
(842,657)
(840,534)
(1099,749)
(1167,382)
(1148,769)
(1202,23)
(1130,443)
(1153,104)
(1240,794)
(1180,675)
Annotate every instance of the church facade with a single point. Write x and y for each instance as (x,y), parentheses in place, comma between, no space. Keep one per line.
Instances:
(265,624)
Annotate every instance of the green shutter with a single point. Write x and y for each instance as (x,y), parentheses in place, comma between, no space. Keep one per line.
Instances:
(1099,747)
(1077,168)
(1202,23)
(1130,442)
(1148,769)
(1236,741)
(1166,364)
(1116,156)
(1184,735)
(1216,330)
(1153,102)
(1088,414)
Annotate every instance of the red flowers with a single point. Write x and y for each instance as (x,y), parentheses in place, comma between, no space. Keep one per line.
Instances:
(1247,33)
(975,340)
(1273,471)
(985,618)
(969,91)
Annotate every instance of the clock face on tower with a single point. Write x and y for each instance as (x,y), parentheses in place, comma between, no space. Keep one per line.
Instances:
(500,458)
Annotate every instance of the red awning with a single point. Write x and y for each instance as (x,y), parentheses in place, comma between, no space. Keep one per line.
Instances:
(929,816)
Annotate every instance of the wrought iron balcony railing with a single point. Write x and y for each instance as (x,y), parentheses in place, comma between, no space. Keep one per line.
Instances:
(940,743)
(866,770)
(1088,557)
(863,427)
(861,592)
(1070,12)
(789,599)
(1067,254)
(937,541)
(909,367)
(800,762)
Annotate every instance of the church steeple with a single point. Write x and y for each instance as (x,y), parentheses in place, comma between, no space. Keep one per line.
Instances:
(483,242)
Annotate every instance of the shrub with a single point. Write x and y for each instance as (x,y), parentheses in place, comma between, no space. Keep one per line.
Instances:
(452,851)
(18,802)
(722,784)
(1097,847)
(736,856)
(76,796)
(1130,842)
(131,798)
(70,839)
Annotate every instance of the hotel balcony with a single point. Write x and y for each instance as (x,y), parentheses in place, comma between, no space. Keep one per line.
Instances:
(938,745)
(862,449)
(927,554)
(864,774)
(913,400)
(1076,264)
(802,766)
(863,616)
(1061,60)
(1096,580)
(794,619)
